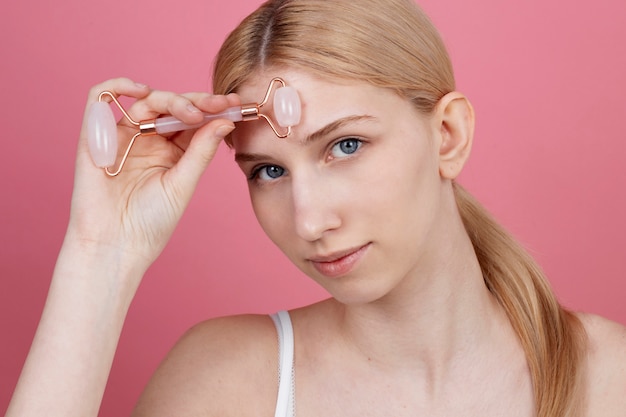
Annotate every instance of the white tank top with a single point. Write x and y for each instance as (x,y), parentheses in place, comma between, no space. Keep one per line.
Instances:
(286,402)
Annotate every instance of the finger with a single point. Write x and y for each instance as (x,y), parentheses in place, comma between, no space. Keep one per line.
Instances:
(184,176)
(185,107)
(213,103)
(119,87)
(182,139)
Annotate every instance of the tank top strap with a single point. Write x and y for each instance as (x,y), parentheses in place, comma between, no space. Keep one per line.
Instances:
(285,403)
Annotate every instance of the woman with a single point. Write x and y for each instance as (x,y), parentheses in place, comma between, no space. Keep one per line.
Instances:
(435,310)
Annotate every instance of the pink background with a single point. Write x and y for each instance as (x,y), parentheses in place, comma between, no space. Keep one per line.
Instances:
(547,79)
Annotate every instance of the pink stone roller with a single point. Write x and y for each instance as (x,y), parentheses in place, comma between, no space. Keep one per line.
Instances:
(102,128)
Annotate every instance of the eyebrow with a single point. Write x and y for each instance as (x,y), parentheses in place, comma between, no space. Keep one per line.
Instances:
(318,134)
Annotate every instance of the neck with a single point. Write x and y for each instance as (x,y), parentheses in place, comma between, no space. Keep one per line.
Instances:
(434,320)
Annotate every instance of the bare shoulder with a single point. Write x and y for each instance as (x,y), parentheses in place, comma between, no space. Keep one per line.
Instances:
(606,370)
(219,367)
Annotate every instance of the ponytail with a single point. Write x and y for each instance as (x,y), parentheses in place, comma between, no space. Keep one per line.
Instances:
(552,337)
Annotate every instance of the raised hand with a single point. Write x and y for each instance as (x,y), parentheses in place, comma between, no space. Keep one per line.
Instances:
(117,227)
(139,209)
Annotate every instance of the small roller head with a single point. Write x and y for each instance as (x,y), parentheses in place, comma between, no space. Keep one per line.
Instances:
(287,106)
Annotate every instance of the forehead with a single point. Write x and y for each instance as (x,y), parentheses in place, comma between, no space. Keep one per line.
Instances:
(311,88)
(323,101)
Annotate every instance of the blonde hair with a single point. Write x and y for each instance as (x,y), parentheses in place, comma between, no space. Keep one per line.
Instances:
(392,44)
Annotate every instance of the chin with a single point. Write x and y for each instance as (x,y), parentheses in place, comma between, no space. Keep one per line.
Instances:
(356,294)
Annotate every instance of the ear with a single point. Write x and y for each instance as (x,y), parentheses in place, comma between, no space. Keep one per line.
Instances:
(454,116)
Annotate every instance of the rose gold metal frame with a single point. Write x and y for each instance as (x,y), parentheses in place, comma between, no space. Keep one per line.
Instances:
(249,111)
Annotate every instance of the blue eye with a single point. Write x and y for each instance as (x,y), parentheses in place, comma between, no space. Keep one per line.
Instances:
(268,172)
(346,147)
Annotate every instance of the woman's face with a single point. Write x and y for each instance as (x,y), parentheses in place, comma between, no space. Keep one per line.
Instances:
(353,195)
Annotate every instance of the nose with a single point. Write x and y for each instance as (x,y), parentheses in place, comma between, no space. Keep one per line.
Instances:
(315,206)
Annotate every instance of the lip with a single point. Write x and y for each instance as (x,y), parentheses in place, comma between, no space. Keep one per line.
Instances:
(338,263)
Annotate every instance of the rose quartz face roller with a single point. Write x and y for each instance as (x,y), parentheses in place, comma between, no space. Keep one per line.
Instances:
(102,128)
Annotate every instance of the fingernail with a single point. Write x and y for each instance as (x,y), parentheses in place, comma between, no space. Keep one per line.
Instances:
(192,109)
(224,130)
(140,85)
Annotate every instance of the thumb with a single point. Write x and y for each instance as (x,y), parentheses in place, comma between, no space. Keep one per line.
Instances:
(184,176)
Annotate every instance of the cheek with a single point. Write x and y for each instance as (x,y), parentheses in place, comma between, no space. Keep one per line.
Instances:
(272,214)
(407,187)
(407,172)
